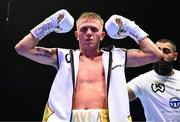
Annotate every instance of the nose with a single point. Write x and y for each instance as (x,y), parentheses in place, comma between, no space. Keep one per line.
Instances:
(89,32)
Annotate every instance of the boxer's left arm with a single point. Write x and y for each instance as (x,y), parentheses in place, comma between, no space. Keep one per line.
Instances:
(119,27)
(148,53)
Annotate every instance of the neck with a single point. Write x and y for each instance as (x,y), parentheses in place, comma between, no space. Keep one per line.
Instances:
(90,53)
(164,71)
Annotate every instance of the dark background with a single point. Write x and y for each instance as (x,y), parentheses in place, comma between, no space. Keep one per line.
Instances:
(25,85)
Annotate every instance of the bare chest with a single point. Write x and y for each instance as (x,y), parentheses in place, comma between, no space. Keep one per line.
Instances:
(90,91)
(91,70)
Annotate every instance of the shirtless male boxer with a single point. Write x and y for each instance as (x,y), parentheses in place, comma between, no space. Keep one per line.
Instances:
(90,84)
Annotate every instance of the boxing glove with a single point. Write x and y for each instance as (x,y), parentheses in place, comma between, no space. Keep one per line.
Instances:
(118,27)
(59,22)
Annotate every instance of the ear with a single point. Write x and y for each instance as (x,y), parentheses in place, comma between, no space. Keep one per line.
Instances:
(175,56)
(76,35)
(102,35)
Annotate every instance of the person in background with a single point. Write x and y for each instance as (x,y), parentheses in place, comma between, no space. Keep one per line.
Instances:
(159,89)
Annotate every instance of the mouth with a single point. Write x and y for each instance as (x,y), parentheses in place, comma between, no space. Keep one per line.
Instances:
(88,40)
(162,62)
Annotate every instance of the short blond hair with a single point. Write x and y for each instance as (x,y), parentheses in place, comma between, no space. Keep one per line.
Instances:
(90,15)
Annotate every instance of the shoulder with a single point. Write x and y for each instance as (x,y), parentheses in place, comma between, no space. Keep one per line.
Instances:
(120,49)
(140,80)
(65,51)
(149,73)
(176,71)
(146,75)
(113,48)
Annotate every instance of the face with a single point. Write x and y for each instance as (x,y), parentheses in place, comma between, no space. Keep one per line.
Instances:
(168,53)
(164,66)
(89,33)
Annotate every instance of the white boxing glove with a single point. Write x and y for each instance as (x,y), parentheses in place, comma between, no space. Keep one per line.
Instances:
(113,28)
(59,22)
(118,27)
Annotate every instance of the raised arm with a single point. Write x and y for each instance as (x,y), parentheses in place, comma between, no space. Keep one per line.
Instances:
(59,22)
(28,48)
(148,53)
(119,27)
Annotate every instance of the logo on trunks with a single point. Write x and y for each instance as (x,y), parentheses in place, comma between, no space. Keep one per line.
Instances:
(158,87)
(174,102)
(68,58)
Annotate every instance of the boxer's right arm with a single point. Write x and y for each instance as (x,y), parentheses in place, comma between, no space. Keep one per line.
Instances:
(59,22)
(27,48)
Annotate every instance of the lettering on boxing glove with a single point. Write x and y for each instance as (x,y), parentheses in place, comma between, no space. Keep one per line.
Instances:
(59,22)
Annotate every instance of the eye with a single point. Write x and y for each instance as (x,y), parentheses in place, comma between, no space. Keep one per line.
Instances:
(83,29)
(94,29)
(166,50)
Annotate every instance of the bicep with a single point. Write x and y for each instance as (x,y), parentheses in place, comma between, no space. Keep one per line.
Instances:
(148,53)
(28,48)
(136,58)
(43,55)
